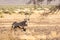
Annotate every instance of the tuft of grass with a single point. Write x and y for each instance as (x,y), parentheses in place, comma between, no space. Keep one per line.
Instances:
(1,15)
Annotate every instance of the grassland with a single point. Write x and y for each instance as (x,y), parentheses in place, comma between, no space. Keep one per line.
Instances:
(40,27)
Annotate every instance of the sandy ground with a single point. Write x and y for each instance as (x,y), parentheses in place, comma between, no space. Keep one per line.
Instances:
(39,27)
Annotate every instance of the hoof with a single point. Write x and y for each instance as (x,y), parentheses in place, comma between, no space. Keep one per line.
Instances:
(24,29)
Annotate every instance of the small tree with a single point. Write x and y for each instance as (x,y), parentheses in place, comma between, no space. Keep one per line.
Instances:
(40,1)
(35,2)
(48,1)
(58,7)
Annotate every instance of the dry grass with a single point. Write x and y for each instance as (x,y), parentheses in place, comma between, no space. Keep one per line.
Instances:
(39,27)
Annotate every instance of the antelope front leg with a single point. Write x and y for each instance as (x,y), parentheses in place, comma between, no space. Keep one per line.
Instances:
(24,29)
